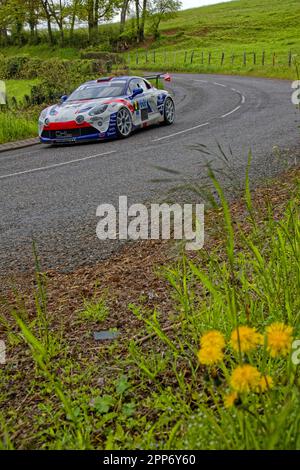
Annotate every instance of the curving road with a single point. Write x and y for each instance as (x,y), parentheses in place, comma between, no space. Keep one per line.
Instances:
(51,194)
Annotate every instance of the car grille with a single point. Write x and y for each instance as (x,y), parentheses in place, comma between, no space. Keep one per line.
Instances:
(69,133)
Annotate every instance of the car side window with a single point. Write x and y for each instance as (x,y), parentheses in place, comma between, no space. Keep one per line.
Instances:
(147,85)
(136,83)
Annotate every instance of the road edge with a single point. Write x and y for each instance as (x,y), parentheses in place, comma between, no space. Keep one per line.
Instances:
(19,144)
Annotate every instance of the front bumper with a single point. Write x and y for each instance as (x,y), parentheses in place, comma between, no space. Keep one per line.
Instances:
(70,132)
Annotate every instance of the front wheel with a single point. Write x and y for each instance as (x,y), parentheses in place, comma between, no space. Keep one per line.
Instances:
(169,111)
(124,123)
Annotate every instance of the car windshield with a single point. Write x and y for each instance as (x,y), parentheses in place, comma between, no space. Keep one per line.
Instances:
(92,92)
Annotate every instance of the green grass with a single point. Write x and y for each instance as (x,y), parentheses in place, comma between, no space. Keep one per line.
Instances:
(153,393)
(14,126)
(95,311)
(19,88)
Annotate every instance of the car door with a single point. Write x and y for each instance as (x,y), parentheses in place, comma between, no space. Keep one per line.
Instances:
(151,95)
(145,105)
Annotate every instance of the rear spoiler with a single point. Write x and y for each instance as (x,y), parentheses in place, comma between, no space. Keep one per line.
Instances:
(165,76)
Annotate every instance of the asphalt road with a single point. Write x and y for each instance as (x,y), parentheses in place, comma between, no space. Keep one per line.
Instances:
(51,194)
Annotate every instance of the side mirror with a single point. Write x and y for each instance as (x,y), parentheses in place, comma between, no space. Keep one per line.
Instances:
(63,98)
(137,91)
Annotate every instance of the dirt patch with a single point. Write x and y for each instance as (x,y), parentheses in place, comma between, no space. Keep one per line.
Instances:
(202,31)
(172,32)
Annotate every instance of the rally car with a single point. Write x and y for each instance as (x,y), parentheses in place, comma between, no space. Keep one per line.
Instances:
(106,108)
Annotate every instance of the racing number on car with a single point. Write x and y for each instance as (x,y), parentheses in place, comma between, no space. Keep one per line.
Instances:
(143,105)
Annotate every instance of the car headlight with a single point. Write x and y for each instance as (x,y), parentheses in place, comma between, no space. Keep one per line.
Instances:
(98,110)
(79,119)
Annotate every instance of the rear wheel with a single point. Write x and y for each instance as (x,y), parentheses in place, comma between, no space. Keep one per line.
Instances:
(169,111)
(124,123)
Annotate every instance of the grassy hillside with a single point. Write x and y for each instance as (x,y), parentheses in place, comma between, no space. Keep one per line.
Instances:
(265,24)
(256,37)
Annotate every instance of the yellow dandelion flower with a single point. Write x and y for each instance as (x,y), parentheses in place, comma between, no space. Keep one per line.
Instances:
(279,339)
(247,337)
(245,378)
(213,339)
(210,355)
(265,383)
(230,399)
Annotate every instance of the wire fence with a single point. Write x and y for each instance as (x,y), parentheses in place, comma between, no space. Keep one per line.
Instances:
(192,58)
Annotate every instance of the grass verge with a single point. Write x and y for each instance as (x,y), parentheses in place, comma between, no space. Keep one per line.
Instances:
(16,126)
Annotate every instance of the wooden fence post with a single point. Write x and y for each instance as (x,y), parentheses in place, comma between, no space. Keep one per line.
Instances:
(273,59)
(232,59)
(254,58)
(202,58)
(209,58)
(245,58)
(263,58)
(192,57)
(222,58)
(290,58)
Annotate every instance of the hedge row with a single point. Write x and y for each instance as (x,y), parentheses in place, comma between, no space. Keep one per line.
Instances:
(25,67)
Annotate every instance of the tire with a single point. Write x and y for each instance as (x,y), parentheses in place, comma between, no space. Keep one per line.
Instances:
(124,123)
(169,112)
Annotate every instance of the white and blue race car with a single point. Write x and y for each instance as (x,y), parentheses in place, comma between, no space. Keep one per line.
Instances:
(106,108)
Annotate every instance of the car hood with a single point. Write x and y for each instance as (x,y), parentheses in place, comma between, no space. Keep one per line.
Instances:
(69,110)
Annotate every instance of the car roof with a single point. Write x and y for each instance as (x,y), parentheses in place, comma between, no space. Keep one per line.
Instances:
(107,80)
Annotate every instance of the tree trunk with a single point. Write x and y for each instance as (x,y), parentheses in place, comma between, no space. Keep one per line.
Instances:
(96,16)
(142,27)
(49,27)
(73,19)
(48,19)
(90,11)
(137,8)
(32,31)
(62,35)
(123,15)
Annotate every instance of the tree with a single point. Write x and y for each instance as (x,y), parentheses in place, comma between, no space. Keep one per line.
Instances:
(74,13)
(48,16)
(32,15)
(12,19)
(96,10)
(143,20)
(59,10)
(4,21)
(123,14)
(162,9)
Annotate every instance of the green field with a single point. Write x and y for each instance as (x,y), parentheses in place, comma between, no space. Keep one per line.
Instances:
(16,127)
(17,124)
(19,88)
